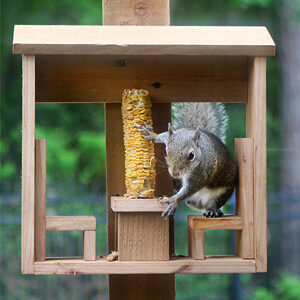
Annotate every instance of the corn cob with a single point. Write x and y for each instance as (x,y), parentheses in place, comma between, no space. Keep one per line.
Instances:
(139,152)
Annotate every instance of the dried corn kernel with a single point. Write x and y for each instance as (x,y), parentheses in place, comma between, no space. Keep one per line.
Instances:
(139,152)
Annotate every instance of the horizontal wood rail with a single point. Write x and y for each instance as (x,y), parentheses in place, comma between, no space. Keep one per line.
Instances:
(68,223)
(212,264)
(227,222)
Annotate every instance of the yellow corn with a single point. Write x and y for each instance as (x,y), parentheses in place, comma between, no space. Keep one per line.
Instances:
(139,152)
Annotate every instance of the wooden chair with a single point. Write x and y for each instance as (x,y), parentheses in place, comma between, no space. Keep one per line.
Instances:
(86,224)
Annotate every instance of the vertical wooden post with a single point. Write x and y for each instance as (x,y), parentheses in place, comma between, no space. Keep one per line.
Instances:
(89,244)
(28,162)
(256,129)
(40,199)
(244,197)
(133,12)
(196,241)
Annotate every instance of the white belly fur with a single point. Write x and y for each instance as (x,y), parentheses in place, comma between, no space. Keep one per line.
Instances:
(204,198)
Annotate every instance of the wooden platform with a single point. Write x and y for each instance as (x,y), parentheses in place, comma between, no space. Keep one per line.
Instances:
(180,265)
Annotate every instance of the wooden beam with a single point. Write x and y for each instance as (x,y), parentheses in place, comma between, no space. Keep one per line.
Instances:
(226,222)
(78,78)
(244,154)
(28,164)
(66,223)
(256,129)
(142,40)
(212,264)
(132,286)
(40,199)
(123,204)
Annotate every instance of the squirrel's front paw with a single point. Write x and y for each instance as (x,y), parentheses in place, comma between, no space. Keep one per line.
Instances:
(170,210)
(147,130)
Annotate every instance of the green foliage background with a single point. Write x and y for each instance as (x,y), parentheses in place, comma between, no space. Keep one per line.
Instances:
(76,157)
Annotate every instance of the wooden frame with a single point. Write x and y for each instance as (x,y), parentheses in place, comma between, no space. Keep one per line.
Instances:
(225,64)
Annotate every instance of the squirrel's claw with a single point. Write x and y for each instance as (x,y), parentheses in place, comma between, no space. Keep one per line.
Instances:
(213,214)
(170,210)
(145,129)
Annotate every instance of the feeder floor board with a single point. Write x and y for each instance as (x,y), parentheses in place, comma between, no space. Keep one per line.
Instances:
(212,264)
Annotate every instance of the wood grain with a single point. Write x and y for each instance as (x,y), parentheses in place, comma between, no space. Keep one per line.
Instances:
(78,78)
(212,264)
(89,245)
(123,204)
(196,241)
(226,222)
(28,164)
(244,154)
(142,40)
(66,223)
(40,199)
(256,129)
(132,12)
(142,236)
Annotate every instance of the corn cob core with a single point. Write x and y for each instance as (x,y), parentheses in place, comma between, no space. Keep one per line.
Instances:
(139,152)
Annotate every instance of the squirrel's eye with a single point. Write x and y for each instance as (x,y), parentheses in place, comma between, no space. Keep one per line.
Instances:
(165,152)
(191,155)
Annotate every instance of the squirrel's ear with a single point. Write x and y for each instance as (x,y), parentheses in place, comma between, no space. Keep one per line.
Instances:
(170,130)
(197,134)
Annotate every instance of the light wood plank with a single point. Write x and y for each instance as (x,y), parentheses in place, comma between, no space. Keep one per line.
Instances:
(212,264)
(66,223)
(40,199)
(132,12)
(78,78)
(142,236)
(226,222)
(89,245)
(142,40)
(123,204)
(244,154)
(196,241)
(28,164)
(256,129)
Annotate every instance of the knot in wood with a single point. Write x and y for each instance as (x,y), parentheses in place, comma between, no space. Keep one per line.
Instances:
(141,9)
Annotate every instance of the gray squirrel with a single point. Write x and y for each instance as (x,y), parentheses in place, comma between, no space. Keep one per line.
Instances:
(197,158)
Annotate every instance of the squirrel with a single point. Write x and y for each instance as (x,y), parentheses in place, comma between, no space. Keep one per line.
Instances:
(197,158)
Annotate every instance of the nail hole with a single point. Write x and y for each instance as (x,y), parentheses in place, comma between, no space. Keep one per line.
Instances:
(122,62)
(156,85)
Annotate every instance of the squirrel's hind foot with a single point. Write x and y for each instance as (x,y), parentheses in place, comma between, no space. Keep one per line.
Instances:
(216,213)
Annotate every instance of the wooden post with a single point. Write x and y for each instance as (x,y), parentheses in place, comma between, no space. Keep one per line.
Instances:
(196,241)
(256,129)
(89,244)
(133,12)
(244,197)
(40,199)
(28,163)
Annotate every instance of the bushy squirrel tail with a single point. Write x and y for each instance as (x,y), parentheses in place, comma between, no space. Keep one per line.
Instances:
(209,116)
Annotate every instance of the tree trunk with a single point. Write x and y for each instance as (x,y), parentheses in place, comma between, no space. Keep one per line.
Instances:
(289,51)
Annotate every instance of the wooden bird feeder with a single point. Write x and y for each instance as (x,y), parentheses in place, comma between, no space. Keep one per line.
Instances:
(68,64)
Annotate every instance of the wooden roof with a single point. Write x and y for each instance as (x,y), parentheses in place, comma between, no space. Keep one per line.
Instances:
(142,40)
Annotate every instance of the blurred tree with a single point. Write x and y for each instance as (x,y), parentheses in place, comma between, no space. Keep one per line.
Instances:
(290,170)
